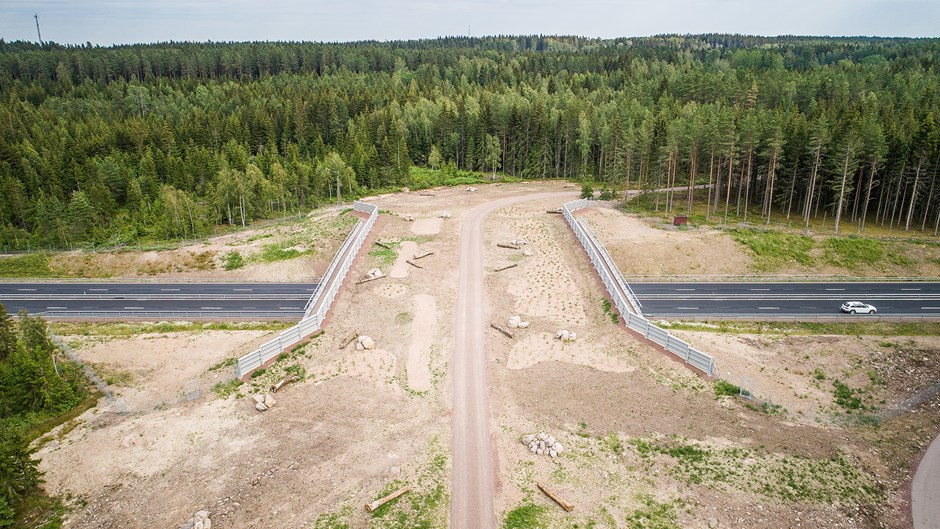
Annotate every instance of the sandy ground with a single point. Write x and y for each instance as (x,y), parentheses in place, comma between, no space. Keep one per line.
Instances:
(362,423)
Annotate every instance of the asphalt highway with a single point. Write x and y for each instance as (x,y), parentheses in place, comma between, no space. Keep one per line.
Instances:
(780,300)
(90,299)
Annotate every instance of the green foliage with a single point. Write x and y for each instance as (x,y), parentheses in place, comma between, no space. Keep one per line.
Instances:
(587,191)
(846,396)
(423,178)
(654,515)
(36,389)
(30,265)
(723,387)
(608,310)
(227,388)
(526,516)
(771,248)
(385,256)
(279,252)
(233,261)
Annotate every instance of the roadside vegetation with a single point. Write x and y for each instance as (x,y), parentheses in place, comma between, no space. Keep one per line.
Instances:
(40,389)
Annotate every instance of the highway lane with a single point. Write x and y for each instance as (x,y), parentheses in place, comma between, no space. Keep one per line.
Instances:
(770,300)
(285,300)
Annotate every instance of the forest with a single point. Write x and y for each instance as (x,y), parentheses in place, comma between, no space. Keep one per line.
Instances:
(118,145)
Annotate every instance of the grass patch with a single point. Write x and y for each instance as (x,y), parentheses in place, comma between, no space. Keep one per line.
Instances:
(233,261)
(385,256)
(38,510)
(875,328)
(423,177)
(121,330)
(228,388)
(30,265)
(846,397)
(851,251)
(228,362)
(772,249)
(283,251)
(723,388)
(654,515)
(767,408)
(608,310)
(782,477)
(404,318)
(526,516)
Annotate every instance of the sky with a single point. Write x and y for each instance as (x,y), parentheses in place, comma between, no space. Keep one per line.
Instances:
(106,22)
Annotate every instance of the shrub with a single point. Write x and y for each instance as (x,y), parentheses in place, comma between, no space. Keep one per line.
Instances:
(587,191)
(723,387)
(233,261)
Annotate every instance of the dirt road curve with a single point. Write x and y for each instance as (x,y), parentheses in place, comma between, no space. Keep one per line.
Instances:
(925,491)
(472,488)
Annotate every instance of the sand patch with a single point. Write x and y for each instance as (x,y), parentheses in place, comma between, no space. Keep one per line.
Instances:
(423,330)
(405,251)
(543,347)
(390,290)
(429,226)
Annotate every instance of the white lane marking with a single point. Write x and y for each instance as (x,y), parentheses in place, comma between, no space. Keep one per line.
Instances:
(930,308)
(169,290)
(768,308)
(687,308)
(289,308)
(57,308)
(835,289)
(133,308)
(686,289)
(912,289)
(246,308)
(211,308)
(760,289)
(242,289)
(97,290)
(26,289)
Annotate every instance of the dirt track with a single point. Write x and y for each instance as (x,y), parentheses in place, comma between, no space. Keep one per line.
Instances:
(926,490)
(473,479)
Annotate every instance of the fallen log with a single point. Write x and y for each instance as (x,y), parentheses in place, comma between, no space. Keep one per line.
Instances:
(503,330)
(554,211)
(366,280)
(422,255)
(283,382)
(507,267)
(383,245)
(551,494)
(412,263)
(370,507)
(510,246)
(346,342)
(426,194)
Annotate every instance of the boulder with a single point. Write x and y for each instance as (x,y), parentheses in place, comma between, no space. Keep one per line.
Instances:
(258,398)
(269,401)
(260,406)
(527,253)
(558,447)
(523,325)
(540,451)
(359,346)
(549,440)
(553,453)
(366,342)
(526,440)
(542,436)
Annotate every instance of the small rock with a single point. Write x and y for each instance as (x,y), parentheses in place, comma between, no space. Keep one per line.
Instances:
(527,253)
(366,342)
(533,448)
(542,436)
(359,346)
(553,453)
(258,398)
(203,514)
(260,406)
(528,439)
(540,451)
(558,447)
(207,524)
(712,523)
(523,325)
(549,440)
(199,524)
(269,401)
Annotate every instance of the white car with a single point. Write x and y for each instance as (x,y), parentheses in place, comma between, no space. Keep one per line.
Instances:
(857,307)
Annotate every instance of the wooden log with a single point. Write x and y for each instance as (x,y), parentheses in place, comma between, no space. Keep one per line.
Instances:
(412,263)
(366,280)
(503,330)
(422,255)
(510,246)
(507,267)
(551,494)
(426,194)
(283,382)
(383,245)
(554,211)
(370,507)
(346,342)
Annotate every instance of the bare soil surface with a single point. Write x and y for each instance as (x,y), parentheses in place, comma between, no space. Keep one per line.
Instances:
(647,442)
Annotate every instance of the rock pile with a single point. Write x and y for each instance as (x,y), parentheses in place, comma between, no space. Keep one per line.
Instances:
(375,273)
(199,521)
(264,402)
(516,323)
(471,189)
(542,443)
(566,336)
(364,342)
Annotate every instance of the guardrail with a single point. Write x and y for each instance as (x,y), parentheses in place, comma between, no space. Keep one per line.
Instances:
(625,300)
(840,318)
(319,304)
(175,314)
(150,297)
(788,278)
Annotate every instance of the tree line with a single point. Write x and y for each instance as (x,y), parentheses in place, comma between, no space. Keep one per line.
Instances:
(118,144)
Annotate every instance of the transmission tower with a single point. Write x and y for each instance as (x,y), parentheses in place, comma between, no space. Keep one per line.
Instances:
(38,34)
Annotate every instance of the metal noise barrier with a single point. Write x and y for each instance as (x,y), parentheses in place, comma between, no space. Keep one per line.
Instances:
(626,302)
(320,301)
